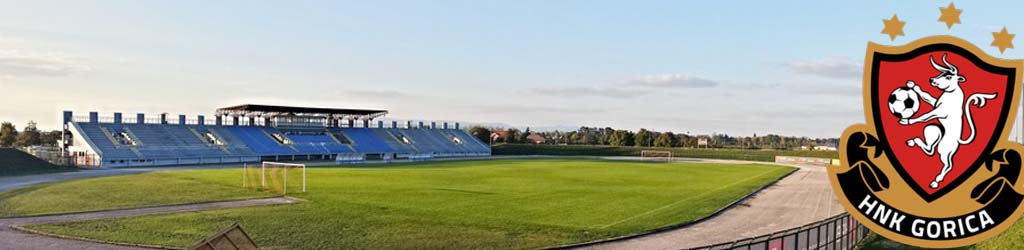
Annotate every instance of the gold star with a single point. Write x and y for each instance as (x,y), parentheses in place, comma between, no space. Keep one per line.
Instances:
(950,15)
(893,27)
(1002,39)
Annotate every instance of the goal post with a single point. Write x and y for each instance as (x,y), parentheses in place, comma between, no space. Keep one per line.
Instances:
(656,155)
(270,176)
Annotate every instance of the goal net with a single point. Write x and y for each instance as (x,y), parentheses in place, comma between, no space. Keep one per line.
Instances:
(274,177)
(656,155)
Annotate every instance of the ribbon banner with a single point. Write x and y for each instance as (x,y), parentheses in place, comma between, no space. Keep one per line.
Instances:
(863,179)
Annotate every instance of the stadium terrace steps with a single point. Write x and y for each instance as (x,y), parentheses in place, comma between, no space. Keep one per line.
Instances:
(333,136)
(470,142)
(259,141)
(200,136)
(104,146)
(232,144)
(428,142)
(319,143)
(365,140)
(175,144)
(393,138)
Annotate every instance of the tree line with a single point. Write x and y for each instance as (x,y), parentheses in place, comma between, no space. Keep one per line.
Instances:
(30,136)
(648,138)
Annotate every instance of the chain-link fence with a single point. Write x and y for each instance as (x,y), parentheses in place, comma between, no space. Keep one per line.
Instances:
(55,157)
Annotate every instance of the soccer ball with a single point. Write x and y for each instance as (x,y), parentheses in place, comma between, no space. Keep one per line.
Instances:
(903,103)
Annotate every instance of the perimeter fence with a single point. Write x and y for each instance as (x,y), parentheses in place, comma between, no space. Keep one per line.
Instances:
(840,232)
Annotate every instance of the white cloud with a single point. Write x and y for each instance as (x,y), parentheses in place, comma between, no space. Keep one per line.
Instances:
(831,67)
(533,109)
(15,63)
(609,92)
(672,81)
(377,93)
(630,88)
(835,89)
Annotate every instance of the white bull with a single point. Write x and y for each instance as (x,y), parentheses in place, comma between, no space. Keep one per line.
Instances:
(949,109)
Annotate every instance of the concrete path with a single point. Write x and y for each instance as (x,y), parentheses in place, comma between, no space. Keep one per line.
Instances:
(11,238)
(801,198)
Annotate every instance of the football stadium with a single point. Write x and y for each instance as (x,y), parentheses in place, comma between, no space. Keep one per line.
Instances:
(598,125)
(329,178)
(253,133)
(284,177)
(287,177)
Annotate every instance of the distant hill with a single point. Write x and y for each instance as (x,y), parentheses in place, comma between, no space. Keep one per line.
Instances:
(14,162)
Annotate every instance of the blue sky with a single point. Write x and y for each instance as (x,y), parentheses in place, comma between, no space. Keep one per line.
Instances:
(787,67)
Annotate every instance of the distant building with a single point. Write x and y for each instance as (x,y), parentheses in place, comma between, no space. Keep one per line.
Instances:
(825,148)
(819,148)
(498,134)
(536,139)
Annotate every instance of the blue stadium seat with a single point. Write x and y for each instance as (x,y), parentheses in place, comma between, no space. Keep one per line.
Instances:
(259,141)
(365,141)
(105,147)
(317,144)
(190,143)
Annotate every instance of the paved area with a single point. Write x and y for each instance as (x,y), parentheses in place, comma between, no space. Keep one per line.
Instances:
(801,198)
(14,239)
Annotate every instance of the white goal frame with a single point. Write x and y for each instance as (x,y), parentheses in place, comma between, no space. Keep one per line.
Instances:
(263,174)
(666,155)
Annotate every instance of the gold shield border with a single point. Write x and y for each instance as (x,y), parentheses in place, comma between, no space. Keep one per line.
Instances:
(869,127)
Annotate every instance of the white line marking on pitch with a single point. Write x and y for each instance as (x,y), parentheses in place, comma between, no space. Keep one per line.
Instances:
(682,200)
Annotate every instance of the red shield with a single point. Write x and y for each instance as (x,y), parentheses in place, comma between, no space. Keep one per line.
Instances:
(890,72)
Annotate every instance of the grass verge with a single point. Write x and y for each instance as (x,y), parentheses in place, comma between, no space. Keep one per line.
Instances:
(14,163)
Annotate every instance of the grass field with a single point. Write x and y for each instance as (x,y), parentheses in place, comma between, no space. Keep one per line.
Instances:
(737,154)
(123,192)
(14,163)
(492,204)
(1012,238)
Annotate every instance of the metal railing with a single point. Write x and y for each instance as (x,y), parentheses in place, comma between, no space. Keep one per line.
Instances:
(55,157)
(243,121)
(840,232)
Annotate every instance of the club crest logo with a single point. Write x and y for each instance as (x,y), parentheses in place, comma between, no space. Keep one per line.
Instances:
(933,166)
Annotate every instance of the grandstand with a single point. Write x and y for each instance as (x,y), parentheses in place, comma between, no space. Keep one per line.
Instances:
(251,133)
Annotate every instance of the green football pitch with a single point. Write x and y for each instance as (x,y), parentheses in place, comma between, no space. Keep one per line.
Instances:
(478,204)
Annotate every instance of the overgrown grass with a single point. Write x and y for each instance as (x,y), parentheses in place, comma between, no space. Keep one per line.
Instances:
(735,154)
(14,163)
(1012,238)
(492,204)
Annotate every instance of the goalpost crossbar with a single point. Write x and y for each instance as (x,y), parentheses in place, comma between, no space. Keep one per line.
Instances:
(655,154)
(263,174)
